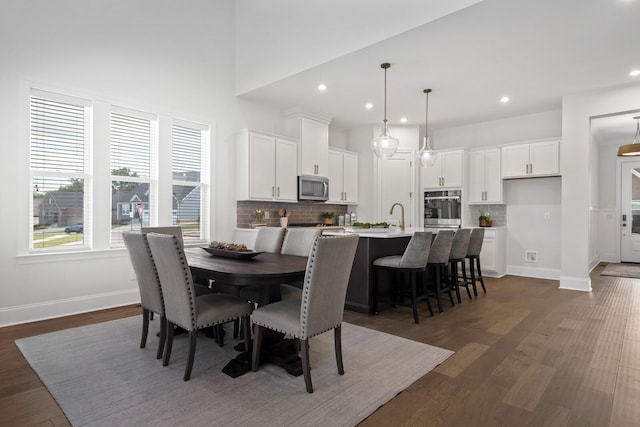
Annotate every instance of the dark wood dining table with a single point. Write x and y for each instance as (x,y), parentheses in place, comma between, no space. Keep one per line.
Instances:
(265,271)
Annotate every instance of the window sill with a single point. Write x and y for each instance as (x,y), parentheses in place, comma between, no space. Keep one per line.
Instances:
(37,258)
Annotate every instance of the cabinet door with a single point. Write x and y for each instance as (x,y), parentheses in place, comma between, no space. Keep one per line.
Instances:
(452,169)
(488,254)
(314,147)
(544,158)
(336,177)
(350,176)
(476,176)
(430,176)
(515,159)
(286,170)
(262,163)
(492,176)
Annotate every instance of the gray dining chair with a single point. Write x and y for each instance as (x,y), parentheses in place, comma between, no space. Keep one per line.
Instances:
(297,241)
(438,262)
(269,239)
(321,307)
(473,255)
(148,283)
(412,262)
(182,307)
(173,230)
(459,247)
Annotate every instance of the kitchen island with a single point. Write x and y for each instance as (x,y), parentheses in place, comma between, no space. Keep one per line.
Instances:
(373,244)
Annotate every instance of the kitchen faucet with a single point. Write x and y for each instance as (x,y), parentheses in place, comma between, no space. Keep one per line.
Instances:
(401,212)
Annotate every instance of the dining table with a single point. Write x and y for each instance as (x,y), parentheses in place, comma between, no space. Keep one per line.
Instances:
(265,272)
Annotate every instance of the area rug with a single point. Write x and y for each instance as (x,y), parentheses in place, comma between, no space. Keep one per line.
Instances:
(99,376)
(622,270)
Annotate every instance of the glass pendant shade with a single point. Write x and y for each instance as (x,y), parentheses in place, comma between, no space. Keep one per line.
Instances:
(426,156)
(632,149)
(385,146)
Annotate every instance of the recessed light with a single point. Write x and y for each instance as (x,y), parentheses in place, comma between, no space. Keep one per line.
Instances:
(322,87)
(634,73)
(368,106)
(404,120)
(504,99)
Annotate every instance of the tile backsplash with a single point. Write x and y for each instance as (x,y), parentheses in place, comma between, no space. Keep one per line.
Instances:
(498,214)
(307,212)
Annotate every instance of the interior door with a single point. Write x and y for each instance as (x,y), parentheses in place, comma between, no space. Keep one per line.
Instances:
(630,212)
(397,187)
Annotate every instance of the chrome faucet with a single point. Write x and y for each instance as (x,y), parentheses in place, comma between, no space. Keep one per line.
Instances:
(401,212)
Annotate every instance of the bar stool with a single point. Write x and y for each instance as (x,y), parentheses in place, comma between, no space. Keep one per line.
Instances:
(459,248)
(412,262)
(438,262)
(473,255)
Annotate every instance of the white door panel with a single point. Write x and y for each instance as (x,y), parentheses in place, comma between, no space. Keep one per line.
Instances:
(630,211)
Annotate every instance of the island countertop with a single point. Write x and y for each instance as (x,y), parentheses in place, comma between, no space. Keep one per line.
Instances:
(378,233)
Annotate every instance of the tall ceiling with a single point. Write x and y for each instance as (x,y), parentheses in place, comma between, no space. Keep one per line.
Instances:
(533,51)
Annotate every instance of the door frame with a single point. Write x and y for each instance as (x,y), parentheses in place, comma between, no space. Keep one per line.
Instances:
(619,162)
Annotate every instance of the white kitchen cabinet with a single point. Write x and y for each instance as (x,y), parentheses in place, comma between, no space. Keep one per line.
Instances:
(531,160)
(313,138)
(266,167)
(445,173)
(485,179)
(493,260)
(343,177)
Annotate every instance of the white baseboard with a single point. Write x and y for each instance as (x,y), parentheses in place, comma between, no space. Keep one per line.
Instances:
(539,273)
(65,307)
(575,283)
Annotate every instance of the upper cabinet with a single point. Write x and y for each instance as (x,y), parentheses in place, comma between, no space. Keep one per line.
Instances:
(266,167)
(446,172)
(312,134)
(531,160)
(343,177)
(485,179)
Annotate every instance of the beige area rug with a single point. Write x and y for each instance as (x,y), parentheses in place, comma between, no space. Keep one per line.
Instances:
(99,376)
(622,270)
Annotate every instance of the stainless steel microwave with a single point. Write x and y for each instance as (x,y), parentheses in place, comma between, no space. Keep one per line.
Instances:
(313,188)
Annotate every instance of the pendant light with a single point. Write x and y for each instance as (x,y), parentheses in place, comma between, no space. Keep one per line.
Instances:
(632,149)
(426,156)
(384,146)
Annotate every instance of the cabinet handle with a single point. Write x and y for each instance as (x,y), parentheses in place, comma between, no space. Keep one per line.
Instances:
(531,168)
(278,191)
(273,191)
(345,195)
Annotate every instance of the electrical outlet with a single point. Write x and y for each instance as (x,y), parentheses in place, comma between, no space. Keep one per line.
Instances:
(266,214)
(547,216)
(531,256)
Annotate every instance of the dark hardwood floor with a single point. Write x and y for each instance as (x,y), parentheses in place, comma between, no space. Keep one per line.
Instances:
(527,353)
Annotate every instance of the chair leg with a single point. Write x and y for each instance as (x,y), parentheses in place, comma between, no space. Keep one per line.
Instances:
(220,333)
(151,315)
(429,306)
(414,297)
(145,327)
(163,336)
(473,275)
(445,274)
(306,368)
(465,280)
(374,291)
(192,352)
(480,276)
(246,328)
(169,346)
(438,288)
(257,342)
(236,328)
(454,280)
(337,338)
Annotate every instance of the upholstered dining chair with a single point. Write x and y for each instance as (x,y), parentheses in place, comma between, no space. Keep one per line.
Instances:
(297,241)
(147,277)
(412,262)
(473,255)
(459,247)
(182,307)
(438,262)
(269,239)
(173,230)
(321,307)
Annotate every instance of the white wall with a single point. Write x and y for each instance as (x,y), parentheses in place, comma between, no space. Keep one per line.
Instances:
(150,54)
(577,158)
(529,203)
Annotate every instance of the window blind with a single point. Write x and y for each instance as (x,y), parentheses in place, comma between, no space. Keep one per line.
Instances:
(130,145)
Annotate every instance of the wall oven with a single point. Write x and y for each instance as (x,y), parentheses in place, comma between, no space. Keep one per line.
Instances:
(442,209)
(313,188)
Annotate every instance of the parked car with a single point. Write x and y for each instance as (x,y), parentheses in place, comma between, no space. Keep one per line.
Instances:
(74,228)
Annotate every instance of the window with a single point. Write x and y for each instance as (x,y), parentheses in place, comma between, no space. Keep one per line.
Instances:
(59,129)
(190,173)
(132,138)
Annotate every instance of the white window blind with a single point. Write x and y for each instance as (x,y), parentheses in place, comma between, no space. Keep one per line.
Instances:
(189,170)
(58,147)
(132,140)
